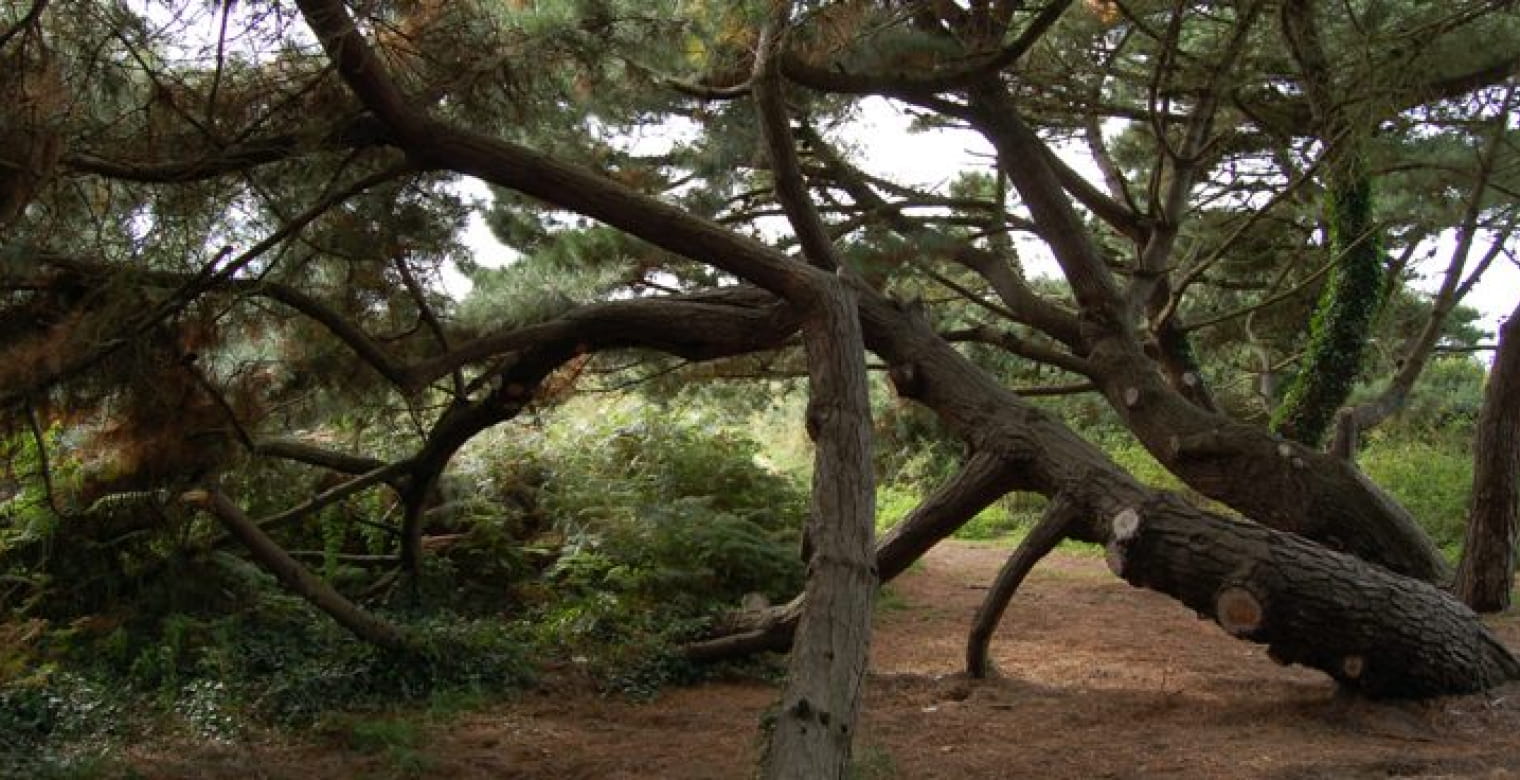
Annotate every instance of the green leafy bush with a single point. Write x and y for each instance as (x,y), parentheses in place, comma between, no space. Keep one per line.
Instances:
(53,725)
(1433,480)
(663,511)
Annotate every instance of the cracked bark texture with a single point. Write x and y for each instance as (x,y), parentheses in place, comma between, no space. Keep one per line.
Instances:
(1374,632)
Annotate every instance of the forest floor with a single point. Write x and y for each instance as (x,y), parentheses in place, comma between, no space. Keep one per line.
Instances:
(1099,680)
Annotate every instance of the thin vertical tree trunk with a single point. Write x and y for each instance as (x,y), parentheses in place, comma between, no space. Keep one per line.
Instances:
(1486,574)
(1353,294)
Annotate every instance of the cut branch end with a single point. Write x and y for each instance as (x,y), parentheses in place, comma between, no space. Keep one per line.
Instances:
(1238,610)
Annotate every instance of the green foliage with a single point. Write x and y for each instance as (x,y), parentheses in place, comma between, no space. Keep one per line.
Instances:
(994,522)
(1348,306)
(394,739)
(668,511)
(912,448)
(207,677)
(1135,459)
(303,669)
(576,266)
(1432,479)
(893,503)
(1445,403)
(58,725)
(646,522)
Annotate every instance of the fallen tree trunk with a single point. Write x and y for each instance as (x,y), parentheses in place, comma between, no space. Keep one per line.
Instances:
(1374,632)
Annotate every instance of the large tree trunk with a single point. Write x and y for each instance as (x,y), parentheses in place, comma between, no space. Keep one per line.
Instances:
(815,727)
(1310,605)
(1486,574)
(1281,484)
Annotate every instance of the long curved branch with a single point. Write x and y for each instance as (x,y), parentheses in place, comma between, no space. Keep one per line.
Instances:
(776,131)
(357,133)
(541,176)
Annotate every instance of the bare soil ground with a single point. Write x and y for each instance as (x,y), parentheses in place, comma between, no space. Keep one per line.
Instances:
(1099,680)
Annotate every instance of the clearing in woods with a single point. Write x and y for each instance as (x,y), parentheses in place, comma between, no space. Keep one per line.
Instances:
(1099,680)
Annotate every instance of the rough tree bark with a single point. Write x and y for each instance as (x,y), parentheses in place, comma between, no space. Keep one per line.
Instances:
(1486,574)
(814,728)
(1309,605)
(815,725)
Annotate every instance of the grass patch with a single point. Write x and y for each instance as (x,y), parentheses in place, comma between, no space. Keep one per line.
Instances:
(396,741)
(889,600)
(872,762)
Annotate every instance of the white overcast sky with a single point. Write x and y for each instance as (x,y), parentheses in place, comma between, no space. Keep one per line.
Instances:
(932,159)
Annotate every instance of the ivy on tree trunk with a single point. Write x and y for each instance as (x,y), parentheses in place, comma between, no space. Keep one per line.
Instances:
(1344,316)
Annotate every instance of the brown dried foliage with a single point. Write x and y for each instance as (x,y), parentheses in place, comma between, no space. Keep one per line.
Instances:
(34,100)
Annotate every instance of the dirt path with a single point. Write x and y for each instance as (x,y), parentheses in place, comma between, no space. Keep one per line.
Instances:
(1100,681)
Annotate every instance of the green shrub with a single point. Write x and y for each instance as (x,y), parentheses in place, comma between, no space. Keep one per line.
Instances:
(58,725)
(1134,458)
(396,740)
(666,511)
(994,522)
(893,503)
(1432,480)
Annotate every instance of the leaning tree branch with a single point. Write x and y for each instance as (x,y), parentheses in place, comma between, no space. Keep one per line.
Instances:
(912,85)
(1053,526)
(1017,345)
(32,15)
(983,479)
(776,132)
(368,479)
(289,571)
(541,176)
(311,454)
(357,133)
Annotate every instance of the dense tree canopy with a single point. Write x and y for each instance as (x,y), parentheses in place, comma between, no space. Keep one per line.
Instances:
(228,231)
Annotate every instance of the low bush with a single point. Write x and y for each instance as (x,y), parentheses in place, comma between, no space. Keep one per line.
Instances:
(1432,479)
